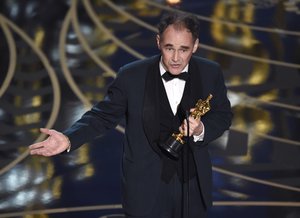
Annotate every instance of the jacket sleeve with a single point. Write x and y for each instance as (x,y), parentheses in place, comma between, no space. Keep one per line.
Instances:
(103,116)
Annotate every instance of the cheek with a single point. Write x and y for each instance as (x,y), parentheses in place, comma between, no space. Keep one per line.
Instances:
(166,56)
(187,58)
(165,59)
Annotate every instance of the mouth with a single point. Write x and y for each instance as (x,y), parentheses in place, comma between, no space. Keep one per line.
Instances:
(175,66)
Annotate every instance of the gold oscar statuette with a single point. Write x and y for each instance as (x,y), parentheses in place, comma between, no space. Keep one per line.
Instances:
(175,142)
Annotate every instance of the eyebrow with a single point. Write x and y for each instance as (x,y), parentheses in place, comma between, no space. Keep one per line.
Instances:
(182,47)
(185,47)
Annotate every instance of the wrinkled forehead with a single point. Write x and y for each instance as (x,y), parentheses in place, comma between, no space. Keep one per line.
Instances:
(177,32)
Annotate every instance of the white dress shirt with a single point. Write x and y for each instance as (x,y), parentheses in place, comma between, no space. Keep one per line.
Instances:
(174,89)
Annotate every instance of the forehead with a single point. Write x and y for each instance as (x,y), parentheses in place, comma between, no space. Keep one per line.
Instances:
(177,35)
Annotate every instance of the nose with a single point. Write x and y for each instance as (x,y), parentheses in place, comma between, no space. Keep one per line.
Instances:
(175,56)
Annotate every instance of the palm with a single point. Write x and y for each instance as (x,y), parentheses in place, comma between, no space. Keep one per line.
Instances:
(54,144)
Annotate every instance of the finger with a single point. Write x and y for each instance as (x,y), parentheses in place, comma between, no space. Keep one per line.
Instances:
(43,151)
(46,131)
(192,125)
(54,134)
(36,145)
(194,121)
(181,129)
(37,151)
(191,118)
(47,151)
(40,152)
(185,122)
(39,144)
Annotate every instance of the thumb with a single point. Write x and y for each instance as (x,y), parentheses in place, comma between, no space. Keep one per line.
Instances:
(45,130)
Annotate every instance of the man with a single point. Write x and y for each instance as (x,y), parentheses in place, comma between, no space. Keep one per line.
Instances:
(154,108)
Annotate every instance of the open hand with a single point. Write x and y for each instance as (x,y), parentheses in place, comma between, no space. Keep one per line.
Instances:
(55,143)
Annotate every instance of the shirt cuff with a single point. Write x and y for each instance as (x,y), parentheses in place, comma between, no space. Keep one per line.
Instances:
(200,137)
(69,147)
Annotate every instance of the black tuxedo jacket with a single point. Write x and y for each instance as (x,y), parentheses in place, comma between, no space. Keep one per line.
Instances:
(134,95)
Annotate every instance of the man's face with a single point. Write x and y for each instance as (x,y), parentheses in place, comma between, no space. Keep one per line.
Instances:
(177,47)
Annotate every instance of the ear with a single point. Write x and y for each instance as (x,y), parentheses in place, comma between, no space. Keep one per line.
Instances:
(196,45)
(158,41)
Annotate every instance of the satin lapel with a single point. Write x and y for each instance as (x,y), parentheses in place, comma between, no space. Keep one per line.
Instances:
(196,83)
(151,105)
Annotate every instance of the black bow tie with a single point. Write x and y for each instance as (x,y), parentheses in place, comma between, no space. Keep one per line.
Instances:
(167,76)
